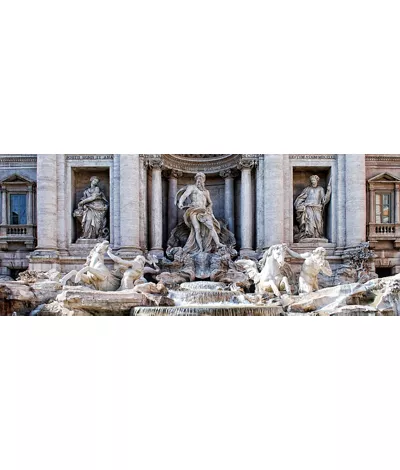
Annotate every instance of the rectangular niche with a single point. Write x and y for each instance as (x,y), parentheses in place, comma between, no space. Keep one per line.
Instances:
(301,179)
(80,181)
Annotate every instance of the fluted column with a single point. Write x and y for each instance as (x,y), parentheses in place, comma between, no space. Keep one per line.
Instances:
(274,202)
(156,224)
(246,166)
(229,177)
(3,206)
(173,177)
(47,203)
(355,199)
(129,204)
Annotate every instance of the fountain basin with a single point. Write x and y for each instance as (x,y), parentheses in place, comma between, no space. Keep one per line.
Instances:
(209,311)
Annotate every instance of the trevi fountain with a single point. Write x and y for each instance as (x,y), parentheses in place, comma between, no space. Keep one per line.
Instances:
(196,235)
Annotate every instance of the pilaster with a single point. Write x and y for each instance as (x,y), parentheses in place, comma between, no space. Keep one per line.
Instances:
(129,205)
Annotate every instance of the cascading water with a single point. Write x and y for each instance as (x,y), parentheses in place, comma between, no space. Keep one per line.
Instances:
(208,299)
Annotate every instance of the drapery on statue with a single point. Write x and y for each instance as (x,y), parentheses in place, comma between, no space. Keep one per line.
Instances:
(310,206)
(199,217)
(92,212)
(314,263)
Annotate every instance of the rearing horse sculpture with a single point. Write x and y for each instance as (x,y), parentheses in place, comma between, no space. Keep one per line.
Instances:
(275,272)
(96,274)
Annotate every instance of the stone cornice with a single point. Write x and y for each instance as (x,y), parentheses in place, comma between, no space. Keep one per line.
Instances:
(18,158)
(90,157)
(383,158)
(313,157)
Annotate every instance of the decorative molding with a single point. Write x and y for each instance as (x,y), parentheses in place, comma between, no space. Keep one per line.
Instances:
(313,157)
(89,157)
(206,163)
(395,158)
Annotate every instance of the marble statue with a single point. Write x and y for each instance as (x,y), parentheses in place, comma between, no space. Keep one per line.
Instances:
(275,272)
(199,218)
(134,269)
(310,206)
(314,263)
(92,212)
(97,275)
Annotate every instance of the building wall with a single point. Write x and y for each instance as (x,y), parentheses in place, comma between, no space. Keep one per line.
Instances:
(275,182)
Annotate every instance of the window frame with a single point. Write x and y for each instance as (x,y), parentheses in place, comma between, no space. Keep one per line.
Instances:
(381,193)
(10,216)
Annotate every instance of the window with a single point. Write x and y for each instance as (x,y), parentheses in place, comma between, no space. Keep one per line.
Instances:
(18,215)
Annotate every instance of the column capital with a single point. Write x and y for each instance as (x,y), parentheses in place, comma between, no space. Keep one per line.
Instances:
(231,173)
(248,162)
(173,174)
(155,162)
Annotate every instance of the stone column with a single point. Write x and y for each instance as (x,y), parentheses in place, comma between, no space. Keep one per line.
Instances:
(355,199)
(4,217)
(129,205)
(397,204)
(29,204)
(47,203)
(372,205)
(229,177)
(173,177)
(62,204)
(246,166)
(156,222)
(341,204)
(260,229)
(274,202)
(46,255)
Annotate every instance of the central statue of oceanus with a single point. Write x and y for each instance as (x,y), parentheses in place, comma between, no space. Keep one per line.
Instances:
(199,217)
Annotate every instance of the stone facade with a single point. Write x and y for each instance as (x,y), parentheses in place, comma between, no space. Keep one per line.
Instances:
(252,194)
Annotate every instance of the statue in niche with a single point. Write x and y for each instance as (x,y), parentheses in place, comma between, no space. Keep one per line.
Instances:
(92,212)
(310,207)
(199,218)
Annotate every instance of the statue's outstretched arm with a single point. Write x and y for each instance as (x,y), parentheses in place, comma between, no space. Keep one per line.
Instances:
(293,254)
(184,196)
(119,260)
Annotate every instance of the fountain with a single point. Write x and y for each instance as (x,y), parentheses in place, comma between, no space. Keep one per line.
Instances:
(207,298)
